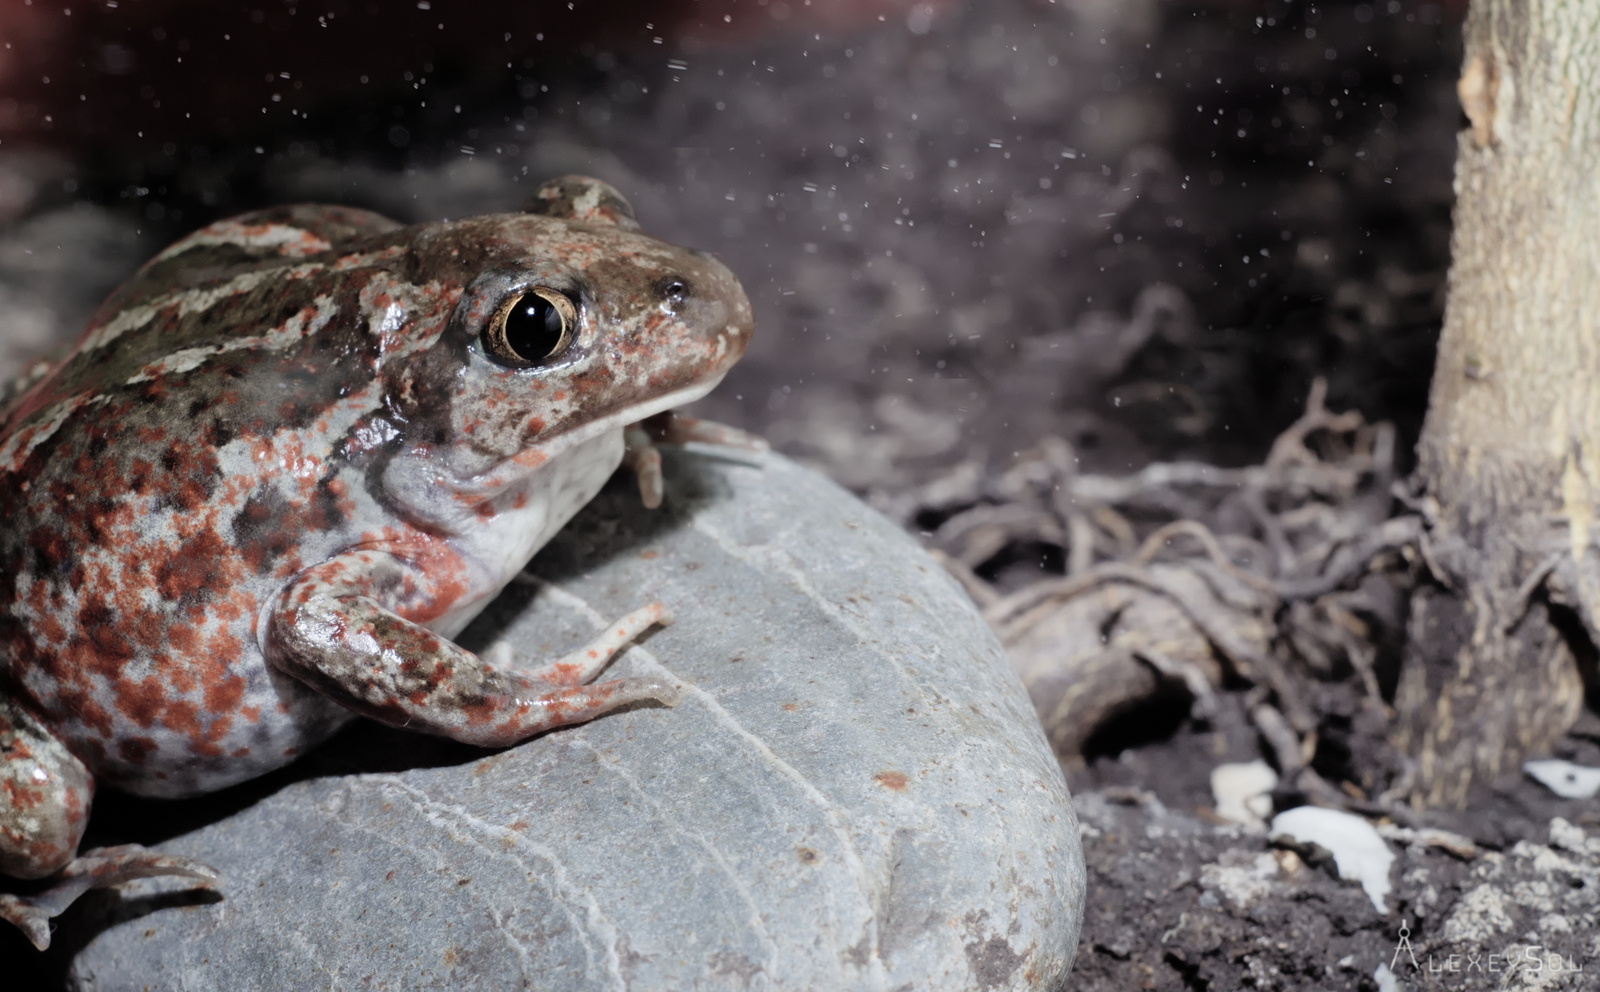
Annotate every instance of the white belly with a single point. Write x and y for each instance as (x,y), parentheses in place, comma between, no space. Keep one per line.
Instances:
(526,517)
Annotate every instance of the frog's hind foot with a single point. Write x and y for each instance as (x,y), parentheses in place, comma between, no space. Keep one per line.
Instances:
(97,869)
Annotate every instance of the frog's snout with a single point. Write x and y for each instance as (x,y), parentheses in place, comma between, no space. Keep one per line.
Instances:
(715,304)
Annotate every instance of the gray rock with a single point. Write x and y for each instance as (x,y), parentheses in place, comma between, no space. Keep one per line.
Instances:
(853,794)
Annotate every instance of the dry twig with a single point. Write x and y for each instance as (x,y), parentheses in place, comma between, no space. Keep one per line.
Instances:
(1236,549)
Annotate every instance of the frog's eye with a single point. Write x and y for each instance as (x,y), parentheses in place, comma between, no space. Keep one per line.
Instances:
(530,328)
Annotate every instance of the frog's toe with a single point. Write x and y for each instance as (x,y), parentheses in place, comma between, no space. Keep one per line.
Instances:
(500,654)
(685,430)
(645,690)
(641,456)
(97,869)
(30,919)
(672,427)
(105,866)
(582,665)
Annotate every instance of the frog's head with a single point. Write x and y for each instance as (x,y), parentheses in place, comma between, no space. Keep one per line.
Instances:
(569,322)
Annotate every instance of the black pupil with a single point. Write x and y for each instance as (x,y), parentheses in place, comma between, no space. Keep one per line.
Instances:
(533,328)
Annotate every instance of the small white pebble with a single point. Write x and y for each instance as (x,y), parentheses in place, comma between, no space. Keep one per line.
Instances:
(1565,779)
(1358,852)
(1385,979)
(1243,792)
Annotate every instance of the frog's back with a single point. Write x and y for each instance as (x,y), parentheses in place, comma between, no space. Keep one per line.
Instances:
(169,476)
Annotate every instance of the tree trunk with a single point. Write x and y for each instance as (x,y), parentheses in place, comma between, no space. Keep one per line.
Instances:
(1509,460)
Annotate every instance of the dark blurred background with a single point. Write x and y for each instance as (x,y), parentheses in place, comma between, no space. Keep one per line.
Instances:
(1140,226)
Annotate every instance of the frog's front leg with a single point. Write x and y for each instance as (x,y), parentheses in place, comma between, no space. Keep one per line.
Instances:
(331,629)
(640,442)
(44,805)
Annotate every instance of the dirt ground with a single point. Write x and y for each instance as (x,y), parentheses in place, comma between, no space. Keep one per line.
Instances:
(999,252)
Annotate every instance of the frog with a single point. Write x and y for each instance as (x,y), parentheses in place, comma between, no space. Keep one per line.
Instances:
(285,465)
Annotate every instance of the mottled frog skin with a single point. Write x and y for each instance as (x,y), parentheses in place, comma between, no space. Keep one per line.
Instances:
(286,463)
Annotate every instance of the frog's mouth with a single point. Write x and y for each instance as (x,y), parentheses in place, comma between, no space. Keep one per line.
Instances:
(632,415)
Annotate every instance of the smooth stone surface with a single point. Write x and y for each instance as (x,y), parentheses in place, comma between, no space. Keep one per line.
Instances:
(853,794)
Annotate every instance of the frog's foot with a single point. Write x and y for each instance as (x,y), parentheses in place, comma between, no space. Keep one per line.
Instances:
(97,869)
(641,455)
(404,675)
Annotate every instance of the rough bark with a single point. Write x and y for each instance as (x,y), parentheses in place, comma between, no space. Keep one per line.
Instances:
(1509,460)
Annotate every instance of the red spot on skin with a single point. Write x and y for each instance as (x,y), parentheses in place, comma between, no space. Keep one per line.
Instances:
(198,566)
(183,716)
(19,798)
(77,803)
(223,695)
(141,701)
(20,751)
(183,639)
(51,630)
(566,674)
(530,458)
(894,781)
